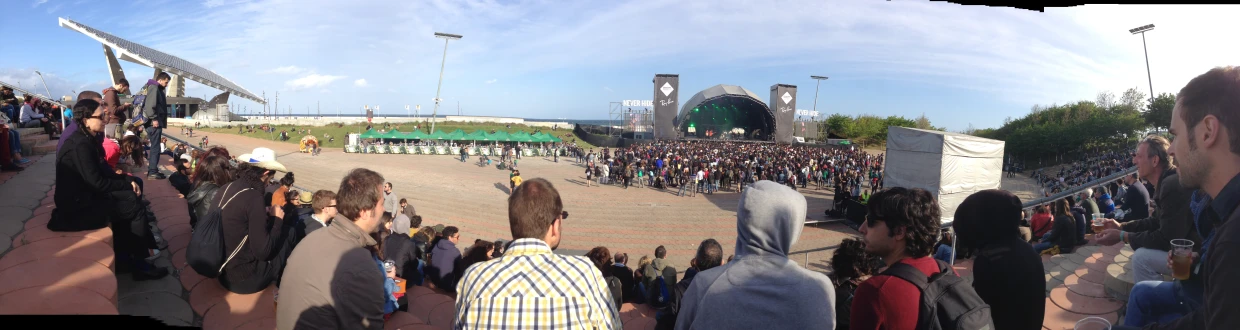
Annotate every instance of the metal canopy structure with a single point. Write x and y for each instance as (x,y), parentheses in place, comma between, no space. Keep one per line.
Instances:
(731,106)
(136,53)
(36,95)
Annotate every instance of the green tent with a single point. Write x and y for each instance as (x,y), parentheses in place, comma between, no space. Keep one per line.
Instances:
(437,135)
(521,136)
(371,134)
(478,135)
(415,135)
(392,134)
(500,136)
(457,135)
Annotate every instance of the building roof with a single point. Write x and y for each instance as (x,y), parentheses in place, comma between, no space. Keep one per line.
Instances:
(136,53)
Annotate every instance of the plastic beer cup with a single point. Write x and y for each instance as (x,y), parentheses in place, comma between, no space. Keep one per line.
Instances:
(1093,323)
(1181,258)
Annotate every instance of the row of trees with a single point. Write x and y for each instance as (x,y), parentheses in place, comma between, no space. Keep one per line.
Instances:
(1047,133)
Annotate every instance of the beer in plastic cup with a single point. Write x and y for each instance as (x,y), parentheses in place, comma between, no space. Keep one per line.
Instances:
(1097,225)
(1093,323)
(1181,258)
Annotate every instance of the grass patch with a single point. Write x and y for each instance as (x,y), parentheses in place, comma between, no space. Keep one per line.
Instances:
(340,132)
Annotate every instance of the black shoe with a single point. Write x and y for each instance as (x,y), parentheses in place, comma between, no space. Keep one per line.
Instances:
(156,176)
(154,273)
(11,168)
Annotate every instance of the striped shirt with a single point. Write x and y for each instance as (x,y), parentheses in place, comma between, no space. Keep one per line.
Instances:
(532,288)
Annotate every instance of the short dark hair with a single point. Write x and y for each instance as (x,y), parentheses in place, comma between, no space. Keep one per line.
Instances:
(163,76)
(415,221)
(1214,93)
(449,231)
(89,95)
(709,254)
(532,208)
(660,252)
(359,191)
(322,199)
(915,210)
(123,82)
(404,201)
(987,216)
(601,257)
(214,169)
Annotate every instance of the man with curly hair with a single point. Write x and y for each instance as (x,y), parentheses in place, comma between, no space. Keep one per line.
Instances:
(901,226)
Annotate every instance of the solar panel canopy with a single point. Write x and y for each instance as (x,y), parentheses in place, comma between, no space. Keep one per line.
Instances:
(136,53)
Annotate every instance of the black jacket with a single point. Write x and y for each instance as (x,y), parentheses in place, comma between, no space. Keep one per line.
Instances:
(200,201)
(1136,202)
(625,275)
(181,183)
(83,181)
(1172,218)
(246,215)
(1064,233)
(1008,276)
(399,247)
(155,108)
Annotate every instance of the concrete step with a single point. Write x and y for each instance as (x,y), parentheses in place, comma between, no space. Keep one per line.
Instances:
(30,141)
(28,131)
(44,148)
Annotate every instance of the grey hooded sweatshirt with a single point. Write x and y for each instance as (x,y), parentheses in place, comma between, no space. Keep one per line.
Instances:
(761,288)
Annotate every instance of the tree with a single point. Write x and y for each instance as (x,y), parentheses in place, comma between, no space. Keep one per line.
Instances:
(1158,115)
(1134,98)
(1105,99)
(839,124)
(923,122)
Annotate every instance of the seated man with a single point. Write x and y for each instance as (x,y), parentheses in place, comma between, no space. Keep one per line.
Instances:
(90,196)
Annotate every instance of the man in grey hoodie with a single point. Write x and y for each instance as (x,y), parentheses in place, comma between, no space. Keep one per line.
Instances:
(761,288)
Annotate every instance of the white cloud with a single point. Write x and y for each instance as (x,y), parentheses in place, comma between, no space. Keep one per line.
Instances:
(608,89)
(492,81)
(312,80)
(360,83)
(55,8)
(292,69)
(37,3)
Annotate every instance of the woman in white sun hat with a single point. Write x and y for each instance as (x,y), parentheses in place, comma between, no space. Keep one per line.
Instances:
(246,220)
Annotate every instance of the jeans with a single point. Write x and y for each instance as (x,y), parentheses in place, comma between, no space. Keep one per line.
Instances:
(15,142)
(153,134)
(1149,265)
(1154,301)
(1042,246)
(9,111)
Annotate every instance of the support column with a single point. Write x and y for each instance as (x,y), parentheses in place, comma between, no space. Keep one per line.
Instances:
(114,66)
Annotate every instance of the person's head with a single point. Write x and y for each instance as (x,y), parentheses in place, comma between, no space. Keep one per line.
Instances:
(415,221)
(182,166)
(622,258)
(1086,194)
(359,198)
(213,169)
(901,222)
(121,86)
(403,203)
(851,262)
(709,255)
(451,233)
(89,115)
(162,79)
(1063,207)
(643,262)
(601,257)
(534,212)
(90,95)
(1152,158)
(660,252)
(1206,127)
(426,234)
(387,188)
(287,180)
(987,216)
(293,196)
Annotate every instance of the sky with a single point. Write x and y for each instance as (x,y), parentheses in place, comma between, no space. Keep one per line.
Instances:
(961,66)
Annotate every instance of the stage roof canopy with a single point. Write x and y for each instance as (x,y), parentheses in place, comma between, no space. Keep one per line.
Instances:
(133,52)
(727,106)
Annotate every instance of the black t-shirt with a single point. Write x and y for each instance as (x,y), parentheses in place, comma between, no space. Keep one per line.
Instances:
(1008,275)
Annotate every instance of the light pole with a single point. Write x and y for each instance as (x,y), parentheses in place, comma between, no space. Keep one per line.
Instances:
(446,37)
(49,95)
(819,79)
(1142,30)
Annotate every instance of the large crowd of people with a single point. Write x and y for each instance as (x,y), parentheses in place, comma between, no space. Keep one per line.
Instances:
(336,256)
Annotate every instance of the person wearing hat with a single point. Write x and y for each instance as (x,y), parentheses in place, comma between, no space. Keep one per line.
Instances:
(251,225)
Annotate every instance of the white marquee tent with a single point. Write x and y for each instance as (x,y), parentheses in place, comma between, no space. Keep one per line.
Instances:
(949,165)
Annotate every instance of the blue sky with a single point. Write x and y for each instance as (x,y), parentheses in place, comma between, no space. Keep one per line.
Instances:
(959,65)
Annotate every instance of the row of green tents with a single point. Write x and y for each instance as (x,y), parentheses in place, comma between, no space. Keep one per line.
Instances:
(460,135)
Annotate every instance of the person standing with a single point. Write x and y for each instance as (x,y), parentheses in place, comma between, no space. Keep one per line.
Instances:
(1007,274)
(155,109)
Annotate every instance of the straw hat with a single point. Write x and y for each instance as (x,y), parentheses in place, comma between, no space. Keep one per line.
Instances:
(263,158)
(306,197)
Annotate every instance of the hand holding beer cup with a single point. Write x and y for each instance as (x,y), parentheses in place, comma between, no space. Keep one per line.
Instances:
(1110,224)
(1107,237)
(1180,258)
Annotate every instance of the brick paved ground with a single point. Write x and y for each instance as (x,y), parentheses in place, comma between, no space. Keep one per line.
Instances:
(635,220)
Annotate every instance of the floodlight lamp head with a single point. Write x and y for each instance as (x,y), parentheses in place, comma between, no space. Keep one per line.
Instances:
(447,35)
(1141,29)
(818,77)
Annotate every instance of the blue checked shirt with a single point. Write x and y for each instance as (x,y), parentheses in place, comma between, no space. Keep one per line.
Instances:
(532,288)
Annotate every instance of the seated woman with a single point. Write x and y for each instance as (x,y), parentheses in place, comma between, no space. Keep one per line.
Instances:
(254,230)
(89,196)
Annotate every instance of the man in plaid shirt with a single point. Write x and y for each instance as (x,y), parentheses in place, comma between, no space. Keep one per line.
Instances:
(530,287)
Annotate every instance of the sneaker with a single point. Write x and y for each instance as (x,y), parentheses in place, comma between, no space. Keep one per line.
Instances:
(24,161)
(156,176)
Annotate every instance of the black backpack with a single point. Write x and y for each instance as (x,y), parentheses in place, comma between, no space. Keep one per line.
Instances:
(205,252)
(947,301)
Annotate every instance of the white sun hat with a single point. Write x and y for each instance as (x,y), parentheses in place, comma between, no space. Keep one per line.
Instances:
(264,158)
